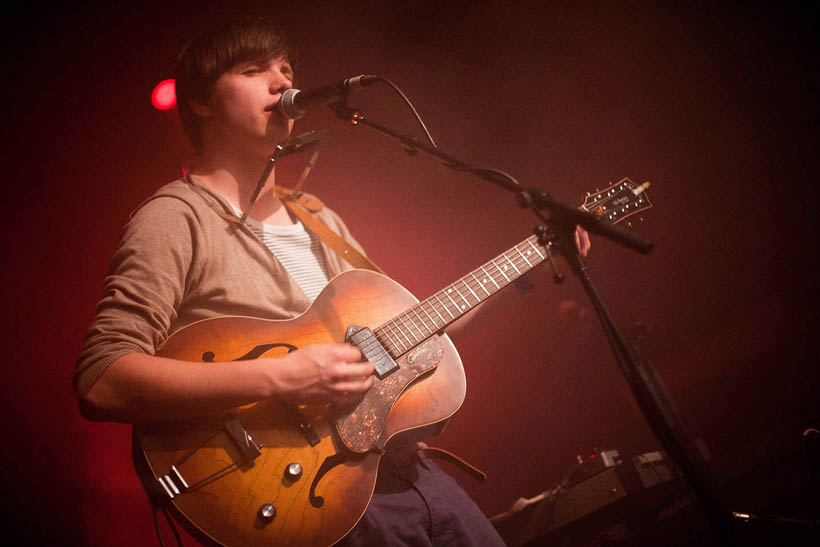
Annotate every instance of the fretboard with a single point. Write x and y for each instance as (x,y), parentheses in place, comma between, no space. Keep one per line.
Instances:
(430,316)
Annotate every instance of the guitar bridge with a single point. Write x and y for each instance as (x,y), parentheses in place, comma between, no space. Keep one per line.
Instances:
(244,442)
(372,350)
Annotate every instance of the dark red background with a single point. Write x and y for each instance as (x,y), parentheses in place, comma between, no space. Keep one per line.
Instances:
(714,106)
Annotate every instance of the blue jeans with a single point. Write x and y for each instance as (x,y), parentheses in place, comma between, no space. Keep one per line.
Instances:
(416,504)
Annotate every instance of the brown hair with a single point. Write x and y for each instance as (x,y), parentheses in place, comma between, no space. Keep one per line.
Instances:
(203,61)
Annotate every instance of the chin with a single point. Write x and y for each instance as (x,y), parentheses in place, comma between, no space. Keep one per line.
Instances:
(277,135)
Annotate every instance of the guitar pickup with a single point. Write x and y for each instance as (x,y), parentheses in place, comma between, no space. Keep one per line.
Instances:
(372,350)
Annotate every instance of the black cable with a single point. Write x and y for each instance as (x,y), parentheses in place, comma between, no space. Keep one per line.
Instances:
(467,168)
(486,171)
(156,526)
(173,527)
(412,108)
(408,140)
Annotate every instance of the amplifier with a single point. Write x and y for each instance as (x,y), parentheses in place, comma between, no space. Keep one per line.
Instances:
(604,488)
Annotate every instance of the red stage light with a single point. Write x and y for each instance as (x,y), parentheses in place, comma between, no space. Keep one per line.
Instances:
(164,96)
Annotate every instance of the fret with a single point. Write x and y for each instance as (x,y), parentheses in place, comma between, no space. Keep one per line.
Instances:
(502,272)
(491,277)
(535,248)
(480,284)
(383,331)
(419,321)
(388,325)
(524,257)
(384,337)
(423,324)
(402,318)
(444,306)
(389,331)
(462,297)
(512,264)
(447,294)
(477,299)
(400,330)
(432,320)
(443,322)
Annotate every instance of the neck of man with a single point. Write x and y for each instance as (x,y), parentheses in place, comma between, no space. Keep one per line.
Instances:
(235,176)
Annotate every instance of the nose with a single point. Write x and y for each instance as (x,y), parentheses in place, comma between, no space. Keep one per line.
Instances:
(279,82)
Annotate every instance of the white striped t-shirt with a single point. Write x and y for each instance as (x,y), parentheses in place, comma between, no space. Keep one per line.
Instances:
(298,250)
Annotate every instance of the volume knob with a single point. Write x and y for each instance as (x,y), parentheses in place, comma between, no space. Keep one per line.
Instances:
(267,512)
(293,471)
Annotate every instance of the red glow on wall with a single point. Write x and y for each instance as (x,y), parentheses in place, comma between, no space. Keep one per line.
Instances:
(164,96)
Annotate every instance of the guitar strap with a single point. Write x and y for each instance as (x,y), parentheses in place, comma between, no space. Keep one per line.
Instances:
(440,453)
(302,205)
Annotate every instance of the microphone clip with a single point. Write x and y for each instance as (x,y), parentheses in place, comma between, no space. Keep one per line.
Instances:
(299,143)
(293,145)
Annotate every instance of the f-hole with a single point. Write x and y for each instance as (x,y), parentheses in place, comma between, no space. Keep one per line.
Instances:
(254,353)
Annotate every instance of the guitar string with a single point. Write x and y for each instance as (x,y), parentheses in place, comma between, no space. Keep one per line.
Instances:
(521,264)
(524,263)
(392,336)
(399,324)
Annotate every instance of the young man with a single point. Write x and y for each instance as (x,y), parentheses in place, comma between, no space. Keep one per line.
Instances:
(185,256)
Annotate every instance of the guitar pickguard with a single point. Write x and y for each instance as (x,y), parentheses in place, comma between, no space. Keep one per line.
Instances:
(361,427)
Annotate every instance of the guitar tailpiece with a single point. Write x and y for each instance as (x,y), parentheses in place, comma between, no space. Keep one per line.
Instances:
(170,486)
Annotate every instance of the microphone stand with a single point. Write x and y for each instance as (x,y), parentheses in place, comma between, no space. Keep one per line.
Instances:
(653,401)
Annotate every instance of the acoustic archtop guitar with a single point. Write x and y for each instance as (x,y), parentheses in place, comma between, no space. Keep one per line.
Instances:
(271,473)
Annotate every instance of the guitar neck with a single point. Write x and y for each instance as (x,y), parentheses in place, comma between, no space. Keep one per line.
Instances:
(430,316)
(409,329)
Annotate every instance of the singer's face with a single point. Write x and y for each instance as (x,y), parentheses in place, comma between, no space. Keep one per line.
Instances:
(243,106)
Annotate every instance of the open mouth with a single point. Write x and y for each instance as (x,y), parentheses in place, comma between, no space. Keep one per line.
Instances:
(275,114)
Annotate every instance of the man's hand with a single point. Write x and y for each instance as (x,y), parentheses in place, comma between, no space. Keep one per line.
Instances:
(330,373)
(582,240)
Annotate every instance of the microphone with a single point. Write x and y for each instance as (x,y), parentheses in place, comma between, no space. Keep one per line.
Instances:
(295,103)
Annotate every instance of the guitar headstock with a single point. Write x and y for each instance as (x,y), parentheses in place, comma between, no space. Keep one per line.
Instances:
(619,201)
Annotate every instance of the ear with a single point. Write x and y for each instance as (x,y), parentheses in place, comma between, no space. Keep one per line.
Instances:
(202,110)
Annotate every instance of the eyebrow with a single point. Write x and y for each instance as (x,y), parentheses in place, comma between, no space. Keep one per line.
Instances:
(287,66)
